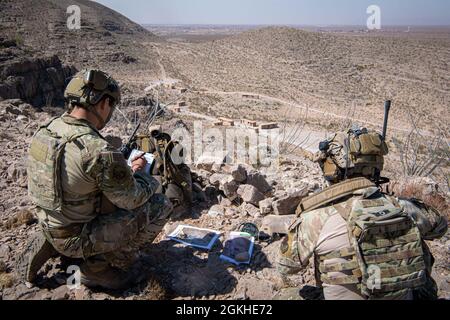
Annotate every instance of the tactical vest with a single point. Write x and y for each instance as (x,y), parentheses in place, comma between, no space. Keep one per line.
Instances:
(386,257)
(44,166)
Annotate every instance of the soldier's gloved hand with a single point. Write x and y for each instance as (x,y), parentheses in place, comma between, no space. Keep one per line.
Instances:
(138,163)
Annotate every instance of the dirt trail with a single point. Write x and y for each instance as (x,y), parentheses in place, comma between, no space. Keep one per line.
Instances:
(161,66)
(297,105)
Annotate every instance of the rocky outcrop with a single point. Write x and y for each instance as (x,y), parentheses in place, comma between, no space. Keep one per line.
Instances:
(38,81)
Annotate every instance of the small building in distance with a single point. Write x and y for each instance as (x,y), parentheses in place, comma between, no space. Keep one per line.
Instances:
(268,126)
(227,122)
(250,123)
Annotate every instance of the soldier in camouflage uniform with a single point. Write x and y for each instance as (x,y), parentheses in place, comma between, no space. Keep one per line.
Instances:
(353,230)
(91,205)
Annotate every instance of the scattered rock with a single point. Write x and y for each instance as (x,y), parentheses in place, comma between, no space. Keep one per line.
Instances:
(273,224)
(288,294)
(288,204)
(82,293)
(229,188)
(225,202)
(265,206)
(216,210)
(257,180)
(249,209)
(206,161)
(4,252)
(39,81)
(239,173)
(217,178)
(60,293)
(250,194)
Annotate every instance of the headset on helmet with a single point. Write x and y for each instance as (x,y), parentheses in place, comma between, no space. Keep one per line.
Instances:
(89,87)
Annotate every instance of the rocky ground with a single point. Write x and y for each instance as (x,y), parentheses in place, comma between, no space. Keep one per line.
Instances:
(323,81)
(233,195)
(338,74)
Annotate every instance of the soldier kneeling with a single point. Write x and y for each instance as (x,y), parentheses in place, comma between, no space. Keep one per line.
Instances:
(91,205)
(365,243)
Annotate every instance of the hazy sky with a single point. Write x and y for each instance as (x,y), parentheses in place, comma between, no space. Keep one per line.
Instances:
(306,12)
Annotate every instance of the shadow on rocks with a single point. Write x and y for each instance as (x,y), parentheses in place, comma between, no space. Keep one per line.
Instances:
(188,272)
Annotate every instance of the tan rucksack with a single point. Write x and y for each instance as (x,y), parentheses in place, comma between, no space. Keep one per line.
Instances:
(357,152)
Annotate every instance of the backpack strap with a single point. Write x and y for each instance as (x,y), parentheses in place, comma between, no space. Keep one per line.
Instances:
(333,193)
(59,153)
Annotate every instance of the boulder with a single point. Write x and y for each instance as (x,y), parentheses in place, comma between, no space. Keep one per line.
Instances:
(60,293)
(239,173)
(257,180)
(249,209)
(250,194)
(266,207)
(216,178)
(288,204)
(39,81)
(225,202)
(229,187)
(206,162)
(216,210)
(273,224)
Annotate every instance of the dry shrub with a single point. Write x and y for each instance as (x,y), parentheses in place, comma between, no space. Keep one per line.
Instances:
(6,280)
(422,154)
(155,290)
(23,217)
(414,189)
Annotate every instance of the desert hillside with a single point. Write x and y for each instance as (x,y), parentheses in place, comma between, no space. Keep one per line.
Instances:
(311,83)
(327,71)
(107,39)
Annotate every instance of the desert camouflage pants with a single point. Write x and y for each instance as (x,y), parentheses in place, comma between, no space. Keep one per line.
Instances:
(115,239)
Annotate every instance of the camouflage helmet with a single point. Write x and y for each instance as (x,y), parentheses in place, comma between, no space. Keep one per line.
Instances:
(89,87)
(355,153)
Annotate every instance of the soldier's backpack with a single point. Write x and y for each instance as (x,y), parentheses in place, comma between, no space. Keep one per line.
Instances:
(387,257)
(357,152)
(44,167)
(162,146)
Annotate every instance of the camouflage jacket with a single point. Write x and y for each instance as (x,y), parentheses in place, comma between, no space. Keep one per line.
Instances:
(322,231)
(92,172)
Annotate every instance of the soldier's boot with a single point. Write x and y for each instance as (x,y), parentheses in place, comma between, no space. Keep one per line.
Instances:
(37,252)
(105,277)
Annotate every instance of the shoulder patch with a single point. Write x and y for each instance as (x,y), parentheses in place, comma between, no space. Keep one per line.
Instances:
(111,157)
(118,173)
